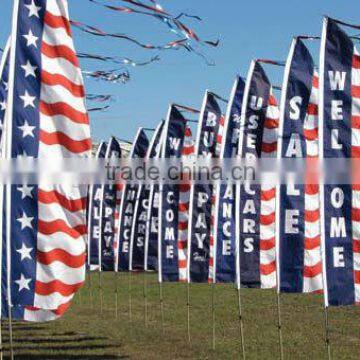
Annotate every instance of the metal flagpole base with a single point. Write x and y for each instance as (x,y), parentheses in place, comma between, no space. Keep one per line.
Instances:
(116,294)
(327,337)
(11,333)
(130,296)
(188,314)
(241,324)
(145,300)
(1,342)
(101,292)
(161,306)
(281,347)
(213,316)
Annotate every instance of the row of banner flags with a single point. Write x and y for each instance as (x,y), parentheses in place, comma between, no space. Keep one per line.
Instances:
(298,238)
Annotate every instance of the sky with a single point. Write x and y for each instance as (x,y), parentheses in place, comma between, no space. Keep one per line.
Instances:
(246,29)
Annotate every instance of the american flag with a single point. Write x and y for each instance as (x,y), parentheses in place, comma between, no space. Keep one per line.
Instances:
(46,118)
(4,78)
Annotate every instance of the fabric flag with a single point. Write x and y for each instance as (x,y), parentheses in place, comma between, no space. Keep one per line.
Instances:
(339,114)
(224,225)
(255,203)
(127,207)
(138,232)
(4,79)
(152,225)
(108,210)
(168,234)
(201,196)
(95,201)
(26,313)
(188,151)
(297,210)
(45,118)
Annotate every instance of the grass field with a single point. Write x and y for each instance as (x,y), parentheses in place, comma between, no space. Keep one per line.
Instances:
(86,333)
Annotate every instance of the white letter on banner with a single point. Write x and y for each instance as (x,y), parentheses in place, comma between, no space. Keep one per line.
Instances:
(226,248)
(337,198)
(291,221)
(169,251)
(337,80)
(295,104)
(337,227)
(336,110)
(335,139)
(338,255)
(249,245)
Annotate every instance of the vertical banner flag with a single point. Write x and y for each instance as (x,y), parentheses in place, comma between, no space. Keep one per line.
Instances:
(138,232)
(95,200)
(201,194)
(46,118)
(224,226)
(339,114)
(255,203)
(152,224)
(173,141)
(4,80)
(127,207)
(108,210)
(297,203)
(188,151)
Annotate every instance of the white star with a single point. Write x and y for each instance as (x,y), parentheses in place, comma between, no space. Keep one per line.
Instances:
(24,252)
(27,130)
(3,105)
(25,221)
(31,39)
(33,9)
(28,99)
(29,69)
(25,191)
(6,85)
(23,283)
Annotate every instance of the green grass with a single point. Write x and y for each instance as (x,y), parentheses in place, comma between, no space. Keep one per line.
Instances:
(86,333)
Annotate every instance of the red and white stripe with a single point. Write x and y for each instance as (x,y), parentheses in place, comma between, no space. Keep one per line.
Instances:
(64,132)
(312,272)
(267,203)
(355,153)
(188,151)
(219,140)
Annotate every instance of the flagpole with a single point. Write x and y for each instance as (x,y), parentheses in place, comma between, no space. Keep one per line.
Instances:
(161,299)
(188,313)
(130,297)
(116,294)
(281,347)
(327,337)
(1,343)
(90,290)
(145,299)
(101,294)
(213,315)
(11,332)
(241,323)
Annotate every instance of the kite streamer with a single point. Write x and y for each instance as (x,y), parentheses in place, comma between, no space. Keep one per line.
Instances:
(98,98)
(175,25)
(98,32)
(113,76)
(99,108)
(117,60)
